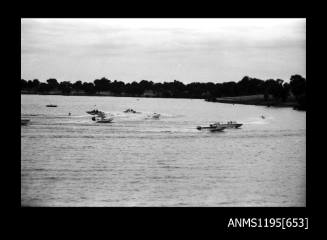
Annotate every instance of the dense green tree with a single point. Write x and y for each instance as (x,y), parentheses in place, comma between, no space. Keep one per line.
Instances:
(250,86)
(117,87)
(52,83)
(43,87)
(77,85)
(145,85)
(35,83)
(275,88)
(298,85)
(209,91)
(102,84)
(229,89)
(298,88)
(23,84)
(285,91)
(244,85)
(135,88)
(88,88)
(65,87)
(32,85)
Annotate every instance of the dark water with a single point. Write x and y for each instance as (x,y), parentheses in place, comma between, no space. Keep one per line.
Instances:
(135,161)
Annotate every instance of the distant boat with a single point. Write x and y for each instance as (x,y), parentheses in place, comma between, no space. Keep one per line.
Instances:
(51,105)
(153,116)
(156,116)
(24,121)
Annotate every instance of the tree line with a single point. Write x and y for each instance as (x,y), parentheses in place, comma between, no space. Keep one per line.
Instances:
(278,89)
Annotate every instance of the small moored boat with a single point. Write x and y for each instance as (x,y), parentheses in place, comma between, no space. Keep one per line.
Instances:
(51,105)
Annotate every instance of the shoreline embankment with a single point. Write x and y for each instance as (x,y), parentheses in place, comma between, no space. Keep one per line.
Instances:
(257,100)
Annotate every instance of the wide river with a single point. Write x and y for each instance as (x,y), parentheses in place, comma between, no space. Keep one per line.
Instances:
(137,161)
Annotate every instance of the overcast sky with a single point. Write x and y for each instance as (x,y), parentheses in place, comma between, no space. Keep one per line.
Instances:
(188,50)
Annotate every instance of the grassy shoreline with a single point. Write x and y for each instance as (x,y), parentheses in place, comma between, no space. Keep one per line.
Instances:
(257,100)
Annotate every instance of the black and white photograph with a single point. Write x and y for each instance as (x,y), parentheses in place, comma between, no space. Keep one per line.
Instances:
(163,112)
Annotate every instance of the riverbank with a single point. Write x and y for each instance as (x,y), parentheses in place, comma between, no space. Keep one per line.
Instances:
(102,94)
(256,100)
(246,100)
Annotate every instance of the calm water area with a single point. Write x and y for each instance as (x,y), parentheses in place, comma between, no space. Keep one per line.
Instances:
(139,161)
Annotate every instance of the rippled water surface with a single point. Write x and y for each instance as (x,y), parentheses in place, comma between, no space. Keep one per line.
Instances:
(137,161)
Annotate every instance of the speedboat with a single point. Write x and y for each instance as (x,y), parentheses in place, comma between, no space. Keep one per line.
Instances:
(230,124)
(24,121)
(212,127)
(51,105)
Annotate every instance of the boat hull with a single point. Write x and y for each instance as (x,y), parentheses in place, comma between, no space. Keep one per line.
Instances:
(212,129)
(237,125)
(24,121)
(105,120)
(229,125)
(217,129)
